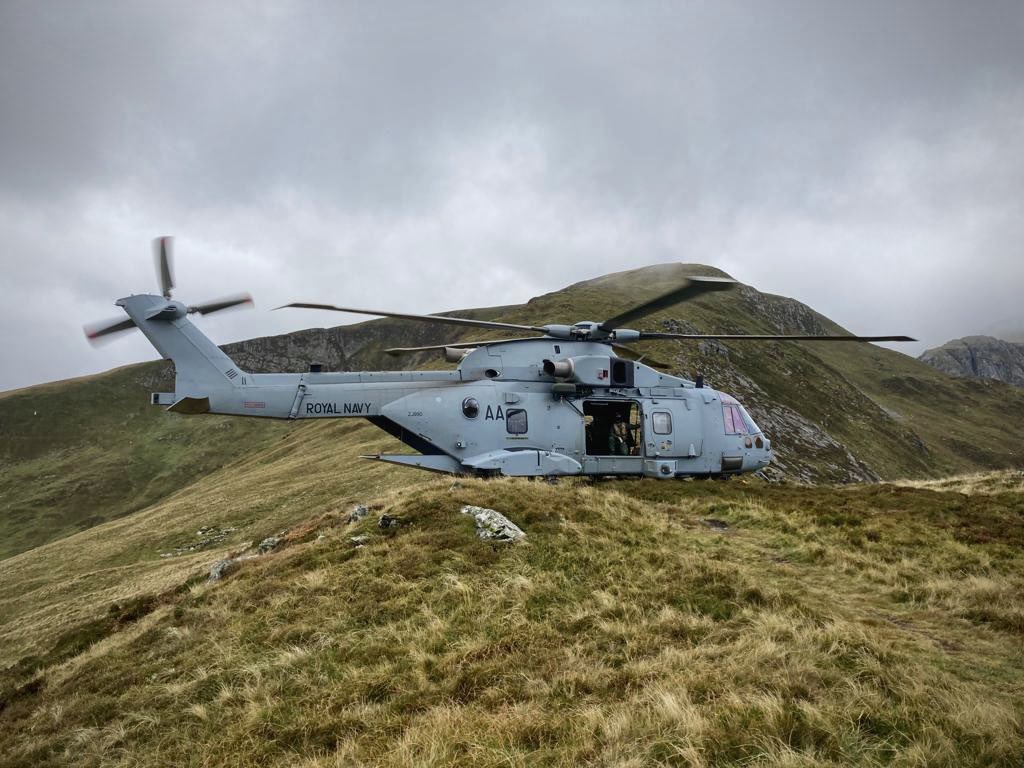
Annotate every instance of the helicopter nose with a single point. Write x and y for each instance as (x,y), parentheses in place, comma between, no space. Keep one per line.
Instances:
(759,452)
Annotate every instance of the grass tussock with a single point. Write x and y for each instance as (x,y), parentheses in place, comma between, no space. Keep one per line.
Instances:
(986,483)
(857,626)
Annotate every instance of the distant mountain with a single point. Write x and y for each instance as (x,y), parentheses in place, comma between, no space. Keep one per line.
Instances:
(979,357)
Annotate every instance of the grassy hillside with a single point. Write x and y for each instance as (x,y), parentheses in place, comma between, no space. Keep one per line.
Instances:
(77,453)
(639,623)
(50,590)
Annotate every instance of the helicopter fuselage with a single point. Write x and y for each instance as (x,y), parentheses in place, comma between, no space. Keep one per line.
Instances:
(526,407)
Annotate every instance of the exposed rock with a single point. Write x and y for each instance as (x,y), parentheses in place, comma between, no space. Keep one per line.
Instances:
(359,511)
(208,536)
(803,450)
(979,357)
(342,348)
(360,541)
(387,521)
(786,315)
(268,544)
(492,525)
(716,525)
(222,568)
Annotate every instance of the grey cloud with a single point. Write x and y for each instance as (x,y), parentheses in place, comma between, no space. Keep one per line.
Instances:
(865,158)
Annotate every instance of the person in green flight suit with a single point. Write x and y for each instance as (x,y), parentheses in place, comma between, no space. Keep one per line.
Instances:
(619,438)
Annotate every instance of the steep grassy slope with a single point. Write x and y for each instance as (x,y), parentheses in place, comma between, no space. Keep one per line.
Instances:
(639,623)
(309,467)
(77,453)
(961,423)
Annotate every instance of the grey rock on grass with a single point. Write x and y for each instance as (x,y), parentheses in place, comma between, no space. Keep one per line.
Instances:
(222,568)
(492,525)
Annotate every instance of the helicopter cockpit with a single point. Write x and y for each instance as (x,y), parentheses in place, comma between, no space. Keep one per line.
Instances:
(737,420)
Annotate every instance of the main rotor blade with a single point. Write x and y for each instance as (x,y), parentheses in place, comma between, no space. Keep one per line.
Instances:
(209,307)
(94,331)
(424,318)
(628,352)
(644,336)
(691,288)
(395,351)
(162,249)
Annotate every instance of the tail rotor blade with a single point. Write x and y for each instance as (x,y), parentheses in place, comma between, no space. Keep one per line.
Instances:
(162,250)
(96,331)
(217,305)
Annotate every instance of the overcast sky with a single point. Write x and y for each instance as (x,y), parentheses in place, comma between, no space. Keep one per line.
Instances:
(865,158)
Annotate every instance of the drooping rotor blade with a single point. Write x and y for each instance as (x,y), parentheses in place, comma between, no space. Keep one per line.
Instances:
(691,288)
(216,306)
(94,331)
(644,336)
(162,250)
(635,354)
(424,318)
(395,351)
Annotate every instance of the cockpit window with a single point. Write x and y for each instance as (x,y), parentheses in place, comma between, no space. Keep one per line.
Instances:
(737,420)
(733,420)
(752,428)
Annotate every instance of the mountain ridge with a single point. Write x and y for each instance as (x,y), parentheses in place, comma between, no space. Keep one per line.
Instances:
(979,357)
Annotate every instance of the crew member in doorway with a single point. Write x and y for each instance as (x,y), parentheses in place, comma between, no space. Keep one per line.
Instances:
(619,439)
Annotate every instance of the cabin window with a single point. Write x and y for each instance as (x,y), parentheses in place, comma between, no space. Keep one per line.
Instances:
(470,408)
(515,421)
(662,422)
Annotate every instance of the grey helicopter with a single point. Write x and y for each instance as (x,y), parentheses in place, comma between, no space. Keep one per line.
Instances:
(566,400)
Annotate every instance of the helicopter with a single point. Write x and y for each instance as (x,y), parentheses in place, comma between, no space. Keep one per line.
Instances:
(566,400)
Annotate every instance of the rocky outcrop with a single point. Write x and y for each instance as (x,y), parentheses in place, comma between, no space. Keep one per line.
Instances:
(979,357)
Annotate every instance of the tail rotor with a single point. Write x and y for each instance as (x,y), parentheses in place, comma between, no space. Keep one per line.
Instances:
(163,249)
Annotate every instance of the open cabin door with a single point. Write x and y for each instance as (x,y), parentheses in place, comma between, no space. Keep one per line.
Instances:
(614,437)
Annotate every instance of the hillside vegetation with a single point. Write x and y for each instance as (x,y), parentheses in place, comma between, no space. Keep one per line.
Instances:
(639,623)
(77,453)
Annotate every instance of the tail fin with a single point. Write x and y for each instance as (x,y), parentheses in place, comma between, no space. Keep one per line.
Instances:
(201,368)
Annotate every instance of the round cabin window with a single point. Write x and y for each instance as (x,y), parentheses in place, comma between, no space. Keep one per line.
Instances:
(470,408)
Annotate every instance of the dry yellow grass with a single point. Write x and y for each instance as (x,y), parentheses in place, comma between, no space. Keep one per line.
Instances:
(978,482)
(856,626)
